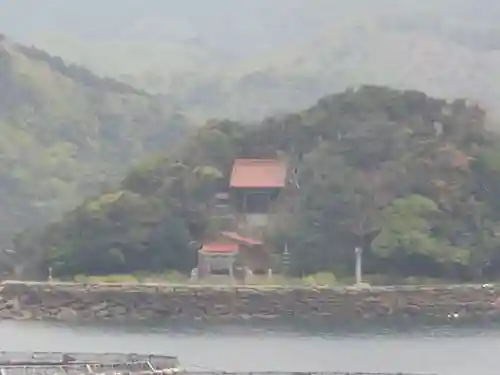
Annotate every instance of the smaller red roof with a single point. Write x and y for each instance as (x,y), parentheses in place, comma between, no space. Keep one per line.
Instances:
(245,240)
(218,247)
(258,173)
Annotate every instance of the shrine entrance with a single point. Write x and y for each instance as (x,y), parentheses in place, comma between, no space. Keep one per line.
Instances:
(217,259)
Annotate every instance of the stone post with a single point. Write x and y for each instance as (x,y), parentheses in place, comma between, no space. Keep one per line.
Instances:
(231,271)
(286,260)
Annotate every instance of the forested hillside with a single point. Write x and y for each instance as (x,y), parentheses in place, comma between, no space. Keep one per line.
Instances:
(412,179)
(65,132)
(279,56)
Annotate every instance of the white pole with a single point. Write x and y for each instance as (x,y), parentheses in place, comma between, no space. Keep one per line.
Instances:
(286,260)
(359,253)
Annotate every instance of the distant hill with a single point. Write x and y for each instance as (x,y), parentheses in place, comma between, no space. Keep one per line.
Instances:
(278,56)
(446,55)
(65,131)
(411,178)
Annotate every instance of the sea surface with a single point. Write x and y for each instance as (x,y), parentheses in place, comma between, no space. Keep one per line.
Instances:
(444,350)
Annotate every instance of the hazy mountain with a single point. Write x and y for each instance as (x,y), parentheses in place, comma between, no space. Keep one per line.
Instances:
(247,59)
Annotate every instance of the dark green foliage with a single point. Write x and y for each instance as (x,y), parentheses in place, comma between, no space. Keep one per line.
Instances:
(150,224)
(121,232)
(412,179)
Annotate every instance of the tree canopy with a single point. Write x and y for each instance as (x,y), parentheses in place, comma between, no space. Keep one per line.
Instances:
(412,179)
(65,133)
(277,60)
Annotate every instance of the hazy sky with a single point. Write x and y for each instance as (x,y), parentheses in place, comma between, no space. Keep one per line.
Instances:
(309,47)
(241,25)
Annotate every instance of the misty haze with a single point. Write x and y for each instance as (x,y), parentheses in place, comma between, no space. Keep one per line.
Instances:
(249,59)
(294,161)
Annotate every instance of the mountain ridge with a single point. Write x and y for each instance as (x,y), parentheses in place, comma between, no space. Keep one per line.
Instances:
(321,47)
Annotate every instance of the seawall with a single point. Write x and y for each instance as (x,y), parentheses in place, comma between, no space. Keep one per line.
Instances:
(119,302)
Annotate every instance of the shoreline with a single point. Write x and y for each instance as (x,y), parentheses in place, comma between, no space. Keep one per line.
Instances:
(70,301)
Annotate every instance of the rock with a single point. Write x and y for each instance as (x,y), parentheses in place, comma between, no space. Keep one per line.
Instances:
(68,302)
(30,298)
(99,307)
(66,314)
(103,314)
(25,315)
(12,304)
(118,310)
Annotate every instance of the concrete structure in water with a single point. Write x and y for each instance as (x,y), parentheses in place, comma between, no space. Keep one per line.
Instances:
(58,363)
(295,373)
(53,363)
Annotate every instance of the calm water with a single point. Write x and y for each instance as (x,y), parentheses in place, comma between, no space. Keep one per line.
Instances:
(445,350)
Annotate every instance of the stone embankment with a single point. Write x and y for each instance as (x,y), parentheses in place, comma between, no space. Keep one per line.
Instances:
(71,301)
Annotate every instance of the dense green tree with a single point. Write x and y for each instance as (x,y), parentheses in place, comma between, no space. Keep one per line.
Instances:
(411,179)
(407,233)
(65,132)
(122,232)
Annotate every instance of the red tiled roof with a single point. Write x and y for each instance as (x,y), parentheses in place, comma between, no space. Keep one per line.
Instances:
(246,240)
(216,247)
(258,173)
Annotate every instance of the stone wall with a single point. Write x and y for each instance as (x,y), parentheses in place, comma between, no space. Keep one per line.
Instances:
(70,301)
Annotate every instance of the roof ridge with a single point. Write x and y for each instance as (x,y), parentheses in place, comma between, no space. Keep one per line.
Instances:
(258,160)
